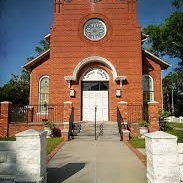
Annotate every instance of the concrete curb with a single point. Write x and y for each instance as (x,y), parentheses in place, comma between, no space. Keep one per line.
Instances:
(140,156)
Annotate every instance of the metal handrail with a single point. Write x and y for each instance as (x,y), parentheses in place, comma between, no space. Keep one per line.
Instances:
(119,121)
(95,123)
(71,124)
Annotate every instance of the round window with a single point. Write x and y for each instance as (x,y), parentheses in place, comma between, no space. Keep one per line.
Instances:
(95,29)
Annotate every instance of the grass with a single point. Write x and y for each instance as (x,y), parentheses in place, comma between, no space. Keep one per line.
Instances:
(137,142)
(177,133)
(8,139)
(176,125)
(140,143)
(51,142)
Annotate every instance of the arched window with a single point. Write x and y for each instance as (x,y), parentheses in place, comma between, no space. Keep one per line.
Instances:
(148,88)
(43,94)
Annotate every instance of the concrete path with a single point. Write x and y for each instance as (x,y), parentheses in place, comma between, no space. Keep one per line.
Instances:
(99,161)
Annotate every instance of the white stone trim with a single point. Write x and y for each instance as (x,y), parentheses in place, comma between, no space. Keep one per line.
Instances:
(64,131)
(67,102)
(6,102)
(153,102)
(31,132)
(91,60)
(95,74)
(65,123)
(125,131)
(123,102)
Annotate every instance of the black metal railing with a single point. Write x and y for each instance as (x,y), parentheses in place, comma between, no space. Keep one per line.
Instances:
(18,114)
(35,114)
(95,123)
(101,129)
(119,121)
(71,124)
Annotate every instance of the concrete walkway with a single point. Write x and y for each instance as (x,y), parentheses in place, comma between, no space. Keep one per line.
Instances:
(82,161)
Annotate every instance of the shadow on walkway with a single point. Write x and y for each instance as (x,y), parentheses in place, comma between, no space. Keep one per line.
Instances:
(64,172)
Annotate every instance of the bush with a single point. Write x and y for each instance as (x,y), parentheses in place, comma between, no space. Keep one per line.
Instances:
(56,132)
(49,124)
(143,123)
(164,126)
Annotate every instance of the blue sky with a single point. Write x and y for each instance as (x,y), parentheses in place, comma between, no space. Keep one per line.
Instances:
(25,22)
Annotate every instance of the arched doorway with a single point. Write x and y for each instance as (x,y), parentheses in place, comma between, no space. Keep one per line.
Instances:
(95,93)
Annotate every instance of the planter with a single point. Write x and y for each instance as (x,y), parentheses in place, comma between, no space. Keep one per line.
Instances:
(143,130)
(49,132)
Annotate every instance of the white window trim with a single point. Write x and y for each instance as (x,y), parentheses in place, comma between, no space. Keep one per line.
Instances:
(152,85)
(41,78)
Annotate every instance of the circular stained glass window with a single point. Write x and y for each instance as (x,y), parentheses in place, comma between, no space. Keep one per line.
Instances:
(95,29)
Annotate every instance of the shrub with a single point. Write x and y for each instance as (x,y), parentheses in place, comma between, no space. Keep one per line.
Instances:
(49,124)
(56,132)
(164,126)
(143,123)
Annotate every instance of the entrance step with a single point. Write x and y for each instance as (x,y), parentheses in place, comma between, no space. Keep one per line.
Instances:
(104,131)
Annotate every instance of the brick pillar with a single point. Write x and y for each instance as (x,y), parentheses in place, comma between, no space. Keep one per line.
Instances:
(134,130)
(4,121)
(153,109)
(126,135)
(67,113)
(30,114)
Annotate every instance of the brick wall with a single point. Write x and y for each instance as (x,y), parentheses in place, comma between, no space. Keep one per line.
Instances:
(16,128)
(154,70)
(121,46)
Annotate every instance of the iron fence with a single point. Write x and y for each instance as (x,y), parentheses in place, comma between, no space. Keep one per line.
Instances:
(18,114)
(34,113)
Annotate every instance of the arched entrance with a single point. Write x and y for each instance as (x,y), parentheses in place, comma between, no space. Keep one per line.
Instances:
(95,93)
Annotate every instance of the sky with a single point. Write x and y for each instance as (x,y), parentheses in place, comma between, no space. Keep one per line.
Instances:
(23,23)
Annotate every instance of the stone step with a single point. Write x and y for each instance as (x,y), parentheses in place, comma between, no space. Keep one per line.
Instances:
(87,132)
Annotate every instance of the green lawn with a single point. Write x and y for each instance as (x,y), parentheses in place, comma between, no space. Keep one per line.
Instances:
(140,143)
(137,142)
(51,142)
(8,139)
(177,133)
(176,125)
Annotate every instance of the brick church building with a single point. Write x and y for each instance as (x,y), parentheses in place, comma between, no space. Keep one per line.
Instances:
(96,60)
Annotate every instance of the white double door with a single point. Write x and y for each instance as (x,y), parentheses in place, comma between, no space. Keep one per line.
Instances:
(98,99)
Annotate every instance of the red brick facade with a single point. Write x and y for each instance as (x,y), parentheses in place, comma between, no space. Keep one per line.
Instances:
(121,47)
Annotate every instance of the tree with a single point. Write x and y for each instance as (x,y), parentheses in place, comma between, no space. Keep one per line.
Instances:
(173,93)
(17,89)
(44,45)
(167,38)
(178,3)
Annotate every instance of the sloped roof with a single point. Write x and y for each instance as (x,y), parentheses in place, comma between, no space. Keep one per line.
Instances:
(164,64)
(29,64)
